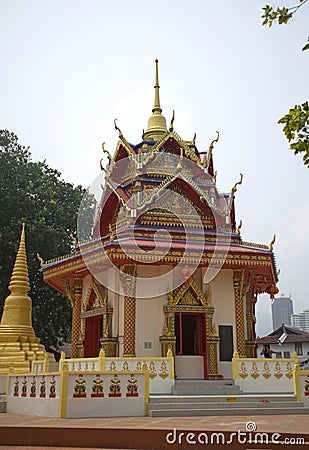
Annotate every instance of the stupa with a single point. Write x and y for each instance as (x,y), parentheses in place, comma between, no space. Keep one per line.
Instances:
(18,343)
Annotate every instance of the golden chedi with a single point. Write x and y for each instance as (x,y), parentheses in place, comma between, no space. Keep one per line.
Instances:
(18,343)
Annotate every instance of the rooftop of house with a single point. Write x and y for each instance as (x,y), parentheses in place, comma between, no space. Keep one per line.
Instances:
(285,335)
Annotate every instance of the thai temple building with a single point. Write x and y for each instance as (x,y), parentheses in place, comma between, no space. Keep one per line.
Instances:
(166,267)
(18,344)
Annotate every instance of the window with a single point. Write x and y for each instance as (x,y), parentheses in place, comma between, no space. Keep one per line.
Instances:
(299,348)
(286,355)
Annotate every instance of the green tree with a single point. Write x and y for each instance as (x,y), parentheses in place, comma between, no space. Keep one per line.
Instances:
(296,122)
(34,193)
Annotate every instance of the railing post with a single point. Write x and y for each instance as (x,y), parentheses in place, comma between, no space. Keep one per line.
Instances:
(296,382)
(63,395)
(46,363)
(235,365)
(102,360)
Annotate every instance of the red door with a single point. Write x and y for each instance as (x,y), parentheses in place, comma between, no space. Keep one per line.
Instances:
(93,333)
(190,331)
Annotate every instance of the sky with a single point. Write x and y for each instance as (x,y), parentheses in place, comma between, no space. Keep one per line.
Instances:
(70,67)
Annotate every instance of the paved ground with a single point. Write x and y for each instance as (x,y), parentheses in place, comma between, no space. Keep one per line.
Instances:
(29,432)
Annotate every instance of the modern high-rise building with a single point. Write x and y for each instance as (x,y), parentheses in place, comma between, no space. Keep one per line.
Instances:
(281,310)
(301,320)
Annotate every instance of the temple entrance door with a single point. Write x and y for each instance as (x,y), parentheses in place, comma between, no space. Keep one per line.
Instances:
(191,357)
(93,333)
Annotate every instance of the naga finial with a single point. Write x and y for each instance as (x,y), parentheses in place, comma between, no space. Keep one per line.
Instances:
(73,239)
(278,272)
(101,165)
(210,149)
(214,177)
(193,140)
(107,152)
(234,189)
(117,128)
(239,226)
(171,128)
(271,245)
(40,259)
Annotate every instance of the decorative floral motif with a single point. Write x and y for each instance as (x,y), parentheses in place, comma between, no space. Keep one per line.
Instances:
(80,387)
(306,390)
(266,372)
(24,387)
(33,387)
(52,387)
(16,387)
(97,387)
(132,387)
(152,370)
(43,387)
(254,371)
(125,366)
(112,366)
(289,371)
(243,373)
(278,372)
(115,387)
(163,373)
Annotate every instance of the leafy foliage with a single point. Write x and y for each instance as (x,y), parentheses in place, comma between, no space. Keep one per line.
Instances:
(296,130)
(280,15)
(33,193)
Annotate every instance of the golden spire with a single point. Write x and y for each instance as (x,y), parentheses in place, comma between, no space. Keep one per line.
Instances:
(156,122)
(16,318)
(20,280)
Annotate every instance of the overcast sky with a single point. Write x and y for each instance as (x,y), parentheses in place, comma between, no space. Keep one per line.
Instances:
(69,67)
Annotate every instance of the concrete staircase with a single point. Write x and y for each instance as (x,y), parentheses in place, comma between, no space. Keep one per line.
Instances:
(220,398)
(2,404)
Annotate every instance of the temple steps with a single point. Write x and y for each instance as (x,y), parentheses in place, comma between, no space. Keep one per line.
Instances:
(220,398)
(181,406)
(206,387)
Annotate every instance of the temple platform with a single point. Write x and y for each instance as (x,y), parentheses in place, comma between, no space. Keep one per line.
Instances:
(29,432)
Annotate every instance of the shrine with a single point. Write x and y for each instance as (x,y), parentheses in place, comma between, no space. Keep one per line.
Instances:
(166,267)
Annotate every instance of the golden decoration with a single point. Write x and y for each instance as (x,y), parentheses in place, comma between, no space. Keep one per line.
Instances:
(163,373)
(266,372)
(152,370)
(278,372)
(289,371)
(243,373)
(271,245)
(254,371)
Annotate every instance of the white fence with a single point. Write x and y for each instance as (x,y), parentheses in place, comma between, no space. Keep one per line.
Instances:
(257,375)
(79,394)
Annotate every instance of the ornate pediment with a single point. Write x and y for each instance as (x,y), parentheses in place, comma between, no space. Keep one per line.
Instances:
(96,297)
(189,293)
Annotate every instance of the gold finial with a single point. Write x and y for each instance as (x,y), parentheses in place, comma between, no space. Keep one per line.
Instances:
(271,245)
(40,259)
(171,128)
(73,239)
(193,140)
(107,152)
(101,165)
(156,123)
(210,149)
(239,226)
(234,189)
(117,128)
(20,279)
(278,272)
(214,178)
